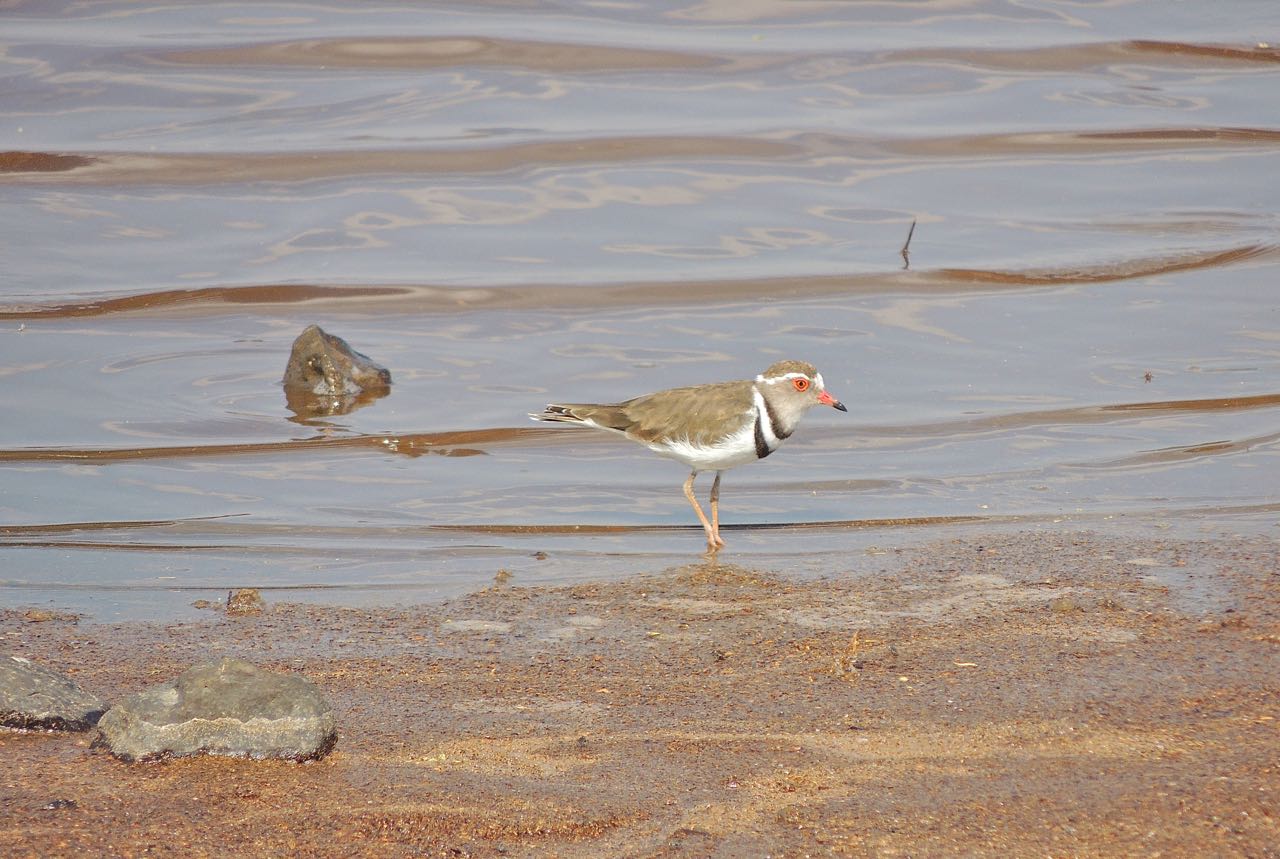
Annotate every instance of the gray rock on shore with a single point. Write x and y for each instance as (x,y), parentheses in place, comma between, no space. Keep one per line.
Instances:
(33,697)
(230,708)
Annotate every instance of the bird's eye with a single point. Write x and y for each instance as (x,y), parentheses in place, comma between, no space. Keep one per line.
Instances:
(802,384)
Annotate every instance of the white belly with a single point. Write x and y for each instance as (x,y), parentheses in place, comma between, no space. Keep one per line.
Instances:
(736,449)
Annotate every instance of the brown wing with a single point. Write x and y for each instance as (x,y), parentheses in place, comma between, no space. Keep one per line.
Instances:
(702,415)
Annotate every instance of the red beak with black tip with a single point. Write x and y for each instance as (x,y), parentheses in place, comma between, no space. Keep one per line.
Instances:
(828,400)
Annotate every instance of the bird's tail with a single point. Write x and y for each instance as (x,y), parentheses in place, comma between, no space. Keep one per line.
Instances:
(554,412)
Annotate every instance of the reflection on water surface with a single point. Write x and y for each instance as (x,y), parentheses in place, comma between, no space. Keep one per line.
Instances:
(507,206)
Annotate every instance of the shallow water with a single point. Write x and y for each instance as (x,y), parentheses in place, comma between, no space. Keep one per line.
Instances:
(508,205)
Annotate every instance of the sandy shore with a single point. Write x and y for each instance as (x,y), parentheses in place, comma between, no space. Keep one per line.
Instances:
(1026,694)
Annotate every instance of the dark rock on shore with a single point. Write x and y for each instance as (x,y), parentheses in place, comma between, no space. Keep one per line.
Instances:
(33,697)
(230,708)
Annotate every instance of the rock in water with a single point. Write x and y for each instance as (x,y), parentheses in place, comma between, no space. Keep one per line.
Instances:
(325,376)
(33,697)
(230,708)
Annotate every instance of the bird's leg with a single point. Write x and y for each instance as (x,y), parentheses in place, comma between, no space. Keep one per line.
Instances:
(715,513)
(697,508)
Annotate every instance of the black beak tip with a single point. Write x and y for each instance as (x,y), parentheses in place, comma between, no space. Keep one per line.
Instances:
(839,405)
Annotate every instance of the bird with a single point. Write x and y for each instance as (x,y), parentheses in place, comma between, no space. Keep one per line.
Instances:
(710,427)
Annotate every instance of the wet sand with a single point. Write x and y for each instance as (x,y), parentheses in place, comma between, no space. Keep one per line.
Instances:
(1034,693)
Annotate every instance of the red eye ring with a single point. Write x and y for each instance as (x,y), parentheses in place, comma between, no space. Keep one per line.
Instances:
(801,385)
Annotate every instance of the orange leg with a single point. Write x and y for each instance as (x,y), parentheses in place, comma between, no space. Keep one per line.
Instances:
(712,536)
(715,512)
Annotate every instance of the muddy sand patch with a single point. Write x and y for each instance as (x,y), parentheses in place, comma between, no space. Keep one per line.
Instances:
(1055,694)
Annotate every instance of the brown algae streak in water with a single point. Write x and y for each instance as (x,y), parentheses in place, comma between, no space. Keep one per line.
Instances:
(424,298)
(472,442)
(1121,270)
(1078,415)
(739,526)
(1183,453)
(443,52)
(1057,58)
(267,294)
(1084,143)
(40,162)
(1260,52)
(459,443)
(210,169)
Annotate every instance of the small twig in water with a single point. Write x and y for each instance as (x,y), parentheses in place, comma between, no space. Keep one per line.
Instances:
(906,246)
